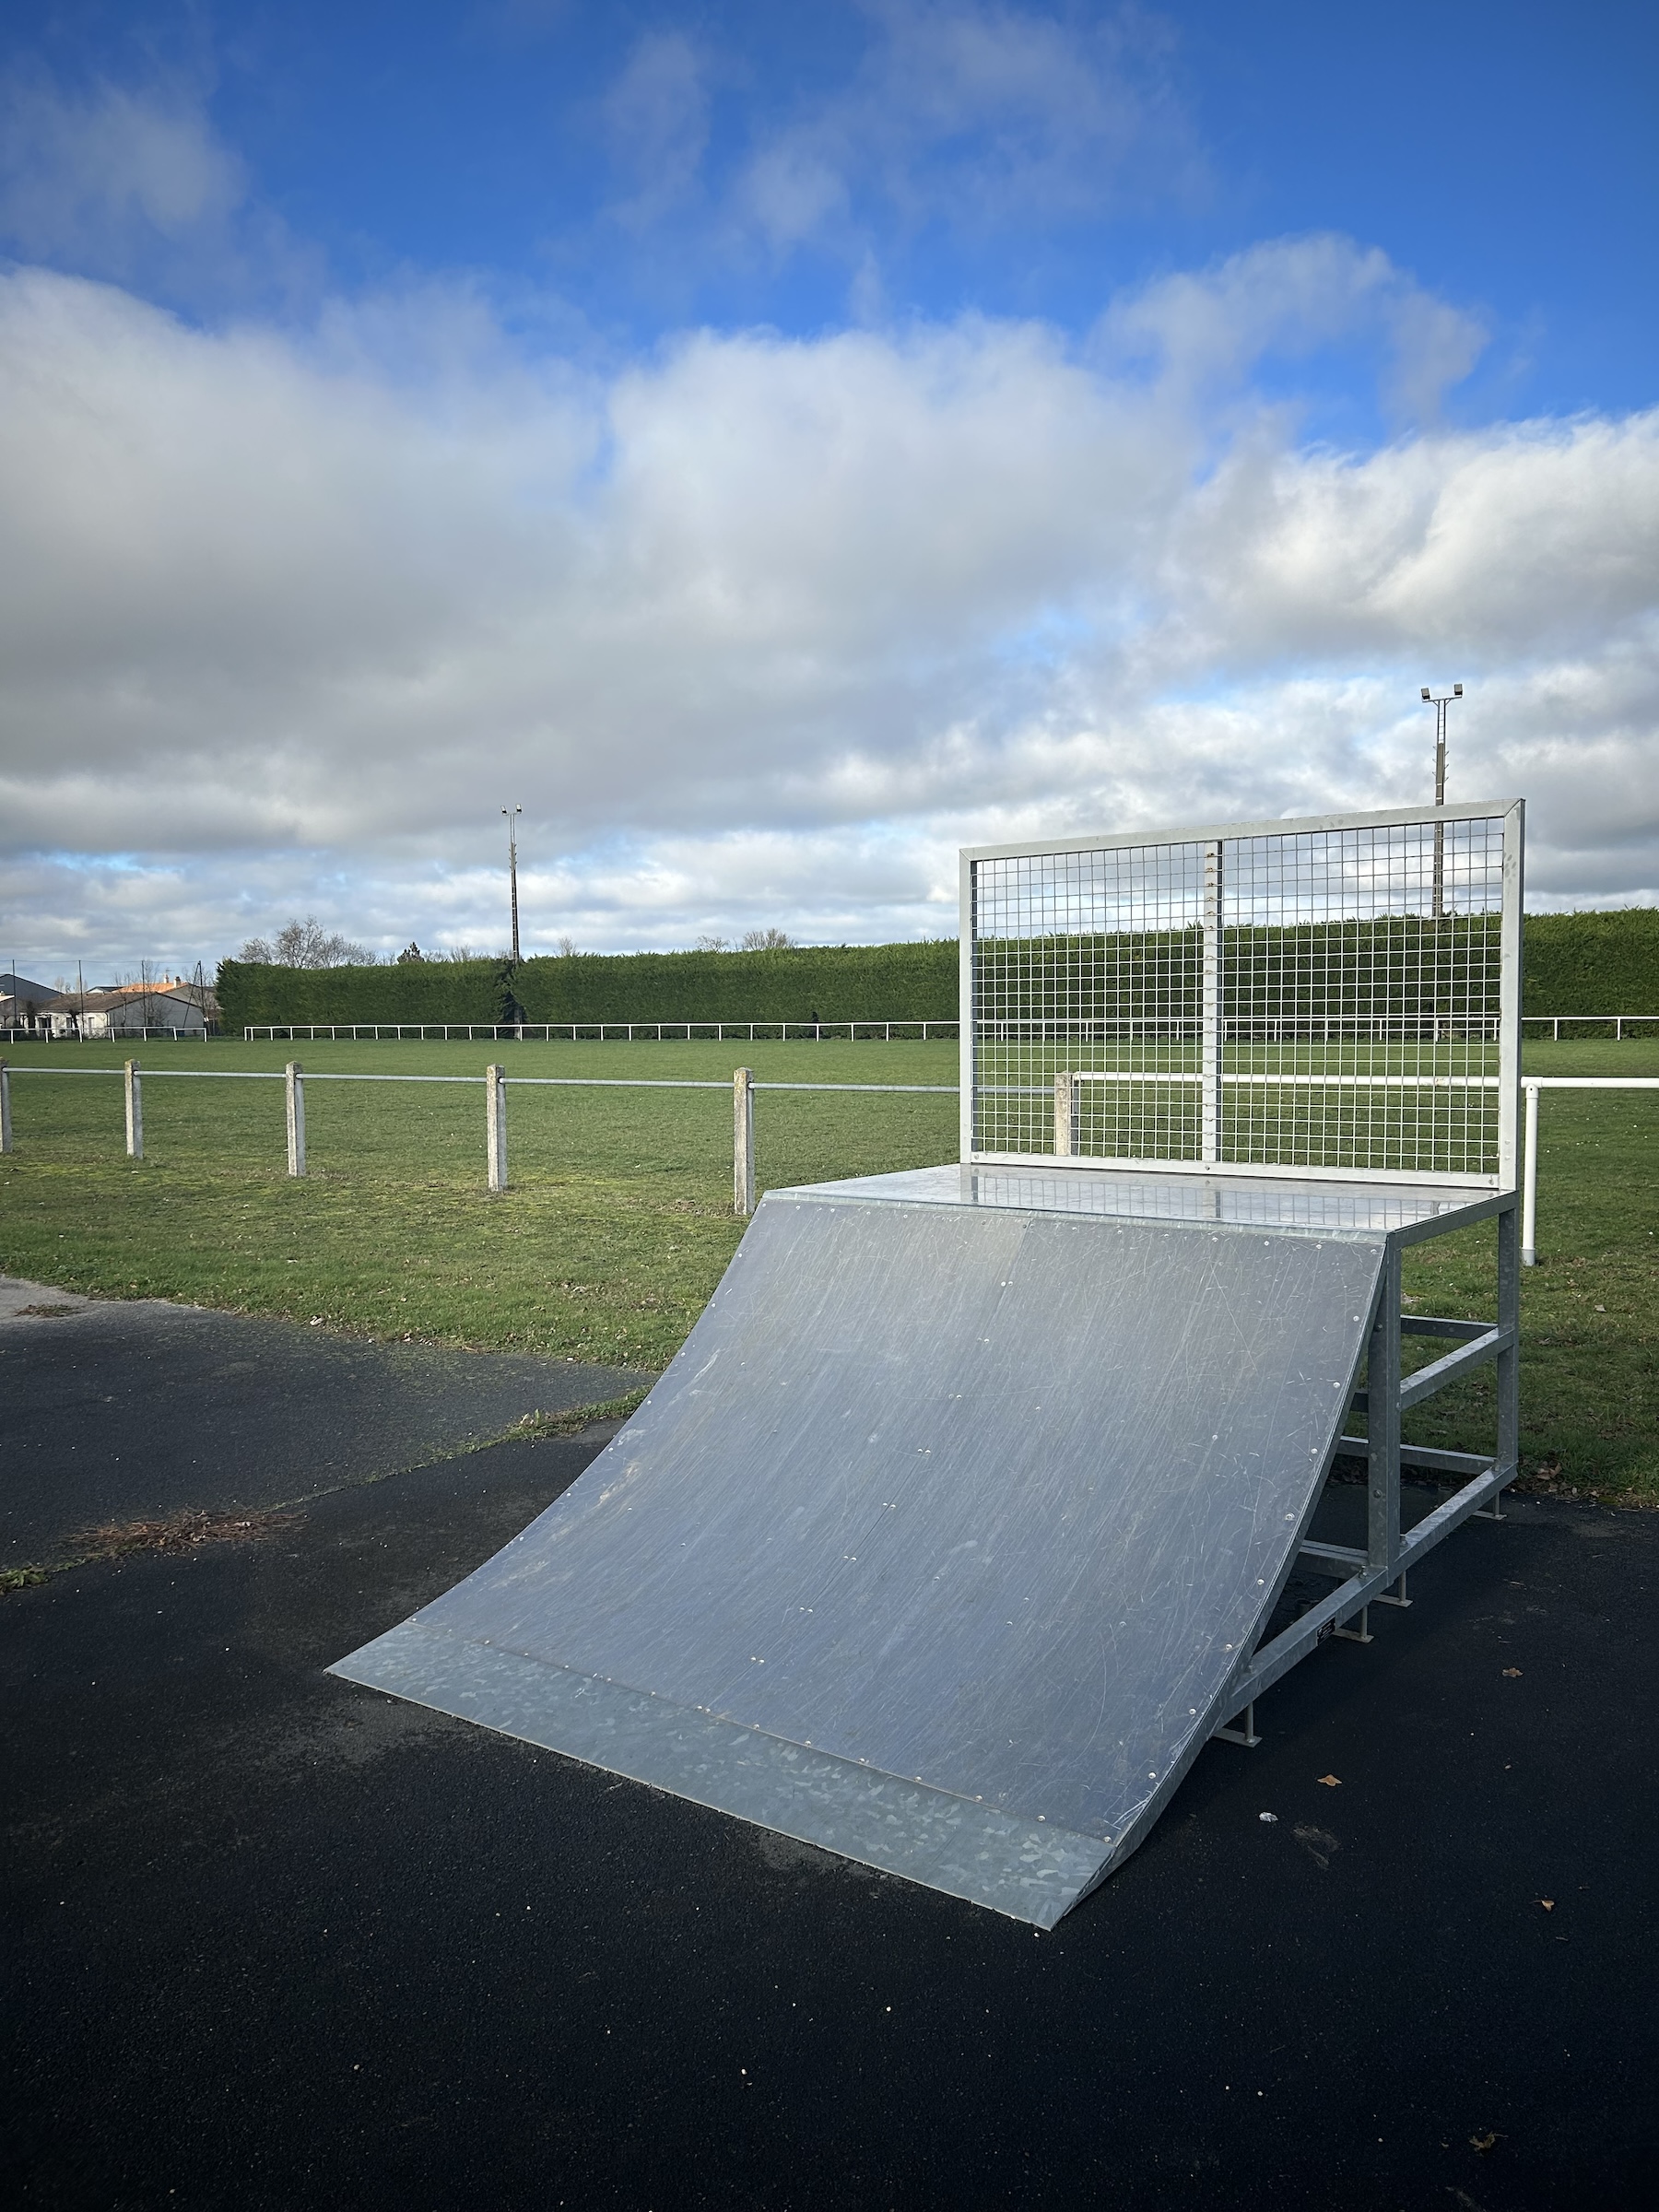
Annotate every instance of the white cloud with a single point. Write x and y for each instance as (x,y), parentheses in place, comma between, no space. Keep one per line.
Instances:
(101,178)
(656,121)
(758,629)
(1293,297)
(982,118)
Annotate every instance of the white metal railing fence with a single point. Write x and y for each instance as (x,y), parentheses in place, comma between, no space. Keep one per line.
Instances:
(294,1079)
(1275,1030)
(1619,1022)
(107,1037)
(495,1082)
(1532,1085)
(606,1033)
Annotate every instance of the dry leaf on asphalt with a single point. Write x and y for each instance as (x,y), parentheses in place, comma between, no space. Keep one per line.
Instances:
(1330,1782)
(1512,1672)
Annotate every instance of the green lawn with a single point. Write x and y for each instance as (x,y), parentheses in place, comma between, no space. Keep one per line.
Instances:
(616,1228)
(619,1222)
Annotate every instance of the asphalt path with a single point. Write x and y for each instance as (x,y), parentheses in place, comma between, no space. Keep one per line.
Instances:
(112,1410)
(273,1940)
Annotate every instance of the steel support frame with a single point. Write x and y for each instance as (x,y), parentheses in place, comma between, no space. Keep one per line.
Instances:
(1376,1575)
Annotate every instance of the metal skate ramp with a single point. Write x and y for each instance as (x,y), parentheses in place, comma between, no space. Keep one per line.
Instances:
(942,1541)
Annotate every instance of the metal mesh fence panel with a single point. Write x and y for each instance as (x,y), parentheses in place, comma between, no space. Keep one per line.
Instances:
(1321,998)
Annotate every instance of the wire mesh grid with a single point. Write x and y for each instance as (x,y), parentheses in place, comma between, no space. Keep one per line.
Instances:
(1321,998)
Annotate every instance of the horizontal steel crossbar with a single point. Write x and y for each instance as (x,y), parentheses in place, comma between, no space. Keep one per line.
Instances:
(1429,1459)
(1478,1352)
(1339,1558)
(1275,1660)
(1269,1082)
(1402,818)
(1477,1188)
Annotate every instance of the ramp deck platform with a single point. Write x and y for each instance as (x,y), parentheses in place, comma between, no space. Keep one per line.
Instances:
(947,1540)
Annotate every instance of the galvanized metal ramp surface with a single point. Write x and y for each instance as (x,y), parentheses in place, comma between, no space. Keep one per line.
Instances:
(940,1542)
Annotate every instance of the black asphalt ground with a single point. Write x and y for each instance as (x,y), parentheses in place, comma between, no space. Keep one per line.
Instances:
(109,1410)
(272,1940)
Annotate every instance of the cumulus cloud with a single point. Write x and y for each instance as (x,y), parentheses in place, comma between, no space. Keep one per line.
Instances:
(1206,328)
(759,628)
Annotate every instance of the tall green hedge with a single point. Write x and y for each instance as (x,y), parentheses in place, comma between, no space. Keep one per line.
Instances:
(1591,963)
(1595,963)
(851,982)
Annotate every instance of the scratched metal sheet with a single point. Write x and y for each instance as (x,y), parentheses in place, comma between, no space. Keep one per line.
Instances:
(980,1498)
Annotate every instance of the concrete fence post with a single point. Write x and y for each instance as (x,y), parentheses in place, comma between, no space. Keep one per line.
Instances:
(4,1107)
(296,1118)
(1066,1115)
(134,1112)
(494,1123)
(743,1143)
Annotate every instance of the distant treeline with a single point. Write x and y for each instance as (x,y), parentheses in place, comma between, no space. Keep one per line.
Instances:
(1590,963)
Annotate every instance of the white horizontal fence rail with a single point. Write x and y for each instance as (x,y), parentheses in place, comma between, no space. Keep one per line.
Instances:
(1532,1085)
(495,1082)
(1267,1029)
(1620,1022)
(1064,1092)
(109,1037)
(609,1032)
(1262,1028)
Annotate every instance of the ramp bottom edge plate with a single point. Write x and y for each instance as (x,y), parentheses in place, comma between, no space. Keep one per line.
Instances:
(1030,1870)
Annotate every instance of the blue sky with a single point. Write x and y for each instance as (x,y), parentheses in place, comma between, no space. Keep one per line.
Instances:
(781,442)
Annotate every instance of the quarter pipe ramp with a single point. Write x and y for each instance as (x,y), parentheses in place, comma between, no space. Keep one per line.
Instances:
(943,1540)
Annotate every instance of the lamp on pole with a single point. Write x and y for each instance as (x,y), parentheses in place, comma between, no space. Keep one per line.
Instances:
(512,814)
(1439,701)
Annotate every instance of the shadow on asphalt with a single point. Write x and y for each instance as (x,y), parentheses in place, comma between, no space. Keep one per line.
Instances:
(272,1940)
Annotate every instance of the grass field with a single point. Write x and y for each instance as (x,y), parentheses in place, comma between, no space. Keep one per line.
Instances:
(617,1224)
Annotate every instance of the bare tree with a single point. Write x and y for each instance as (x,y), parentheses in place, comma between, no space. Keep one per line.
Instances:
(306,945)
(710,945)
(766,940)
(566,947)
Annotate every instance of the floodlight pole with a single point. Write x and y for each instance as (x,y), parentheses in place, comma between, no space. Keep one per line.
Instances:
(512,814)
(1439,702)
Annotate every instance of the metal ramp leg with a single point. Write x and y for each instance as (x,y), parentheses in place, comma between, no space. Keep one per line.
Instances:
(1509,1360)
(1246,1735)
